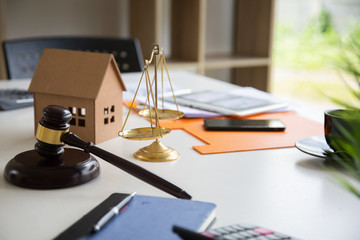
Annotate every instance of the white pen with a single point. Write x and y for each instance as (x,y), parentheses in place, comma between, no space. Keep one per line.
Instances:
(113,212)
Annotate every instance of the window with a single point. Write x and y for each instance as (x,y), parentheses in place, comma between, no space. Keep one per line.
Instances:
(82,112)
(109,114)
(78,115)
(81,122)
(73,122)
(72,110)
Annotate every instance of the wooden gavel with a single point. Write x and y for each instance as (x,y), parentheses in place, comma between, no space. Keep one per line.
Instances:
(53,133)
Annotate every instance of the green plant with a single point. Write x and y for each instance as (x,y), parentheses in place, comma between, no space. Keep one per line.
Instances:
(348,147)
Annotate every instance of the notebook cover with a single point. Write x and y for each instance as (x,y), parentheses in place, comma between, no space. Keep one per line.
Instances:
(148,217)
(297,127)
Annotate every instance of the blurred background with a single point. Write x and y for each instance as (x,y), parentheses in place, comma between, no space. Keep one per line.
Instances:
(295,61)
(308,38)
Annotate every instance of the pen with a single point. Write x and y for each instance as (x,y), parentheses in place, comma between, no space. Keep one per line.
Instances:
(112,212)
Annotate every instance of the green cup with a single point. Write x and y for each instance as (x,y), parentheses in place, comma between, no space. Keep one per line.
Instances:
(338,121)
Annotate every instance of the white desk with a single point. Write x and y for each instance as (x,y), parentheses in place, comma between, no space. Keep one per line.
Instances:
(284,189)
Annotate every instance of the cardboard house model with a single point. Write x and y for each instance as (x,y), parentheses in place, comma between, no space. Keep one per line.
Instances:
(88,84)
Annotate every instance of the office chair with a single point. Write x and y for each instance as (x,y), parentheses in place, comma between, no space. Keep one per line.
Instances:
(22,56)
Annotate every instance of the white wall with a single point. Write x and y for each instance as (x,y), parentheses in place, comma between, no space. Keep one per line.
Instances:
(32,18)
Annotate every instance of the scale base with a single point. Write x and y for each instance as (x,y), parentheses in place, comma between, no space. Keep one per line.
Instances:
(31,170)
(156,152)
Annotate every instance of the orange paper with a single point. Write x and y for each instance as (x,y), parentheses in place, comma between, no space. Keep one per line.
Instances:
(297,127)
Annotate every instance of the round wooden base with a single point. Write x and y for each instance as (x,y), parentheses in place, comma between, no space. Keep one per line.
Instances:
(31,170)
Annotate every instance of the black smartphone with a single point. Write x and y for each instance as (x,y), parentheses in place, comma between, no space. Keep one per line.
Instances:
(244,125)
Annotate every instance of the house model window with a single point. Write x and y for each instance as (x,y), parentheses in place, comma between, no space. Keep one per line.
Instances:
(72,110)
(78,116)
(109,114)
(82,112)
(81,122)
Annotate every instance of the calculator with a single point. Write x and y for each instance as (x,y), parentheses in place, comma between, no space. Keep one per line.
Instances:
(233,232)
(15,98)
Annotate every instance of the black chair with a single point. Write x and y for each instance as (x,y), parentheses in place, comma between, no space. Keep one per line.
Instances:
(22,56)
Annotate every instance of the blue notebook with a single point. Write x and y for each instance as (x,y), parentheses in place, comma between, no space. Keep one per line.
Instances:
(146,217)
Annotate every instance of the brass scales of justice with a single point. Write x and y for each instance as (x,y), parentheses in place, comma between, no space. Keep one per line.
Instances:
(155,152)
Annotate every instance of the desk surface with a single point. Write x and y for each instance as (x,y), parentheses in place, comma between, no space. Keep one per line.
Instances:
(283,189)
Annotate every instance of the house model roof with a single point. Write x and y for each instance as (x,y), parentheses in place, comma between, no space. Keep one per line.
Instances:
(72,73)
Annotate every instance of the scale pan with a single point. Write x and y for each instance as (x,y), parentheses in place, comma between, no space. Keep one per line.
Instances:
(163,114)
(146,133)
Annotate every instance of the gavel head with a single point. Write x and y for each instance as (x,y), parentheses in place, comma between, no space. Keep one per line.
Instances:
(52,126)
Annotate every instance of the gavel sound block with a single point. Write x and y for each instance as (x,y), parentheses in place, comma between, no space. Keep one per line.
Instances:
(50,166)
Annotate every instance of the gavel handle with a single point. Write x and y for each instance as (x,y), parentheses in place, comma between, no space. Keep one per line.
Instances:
(129,167)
